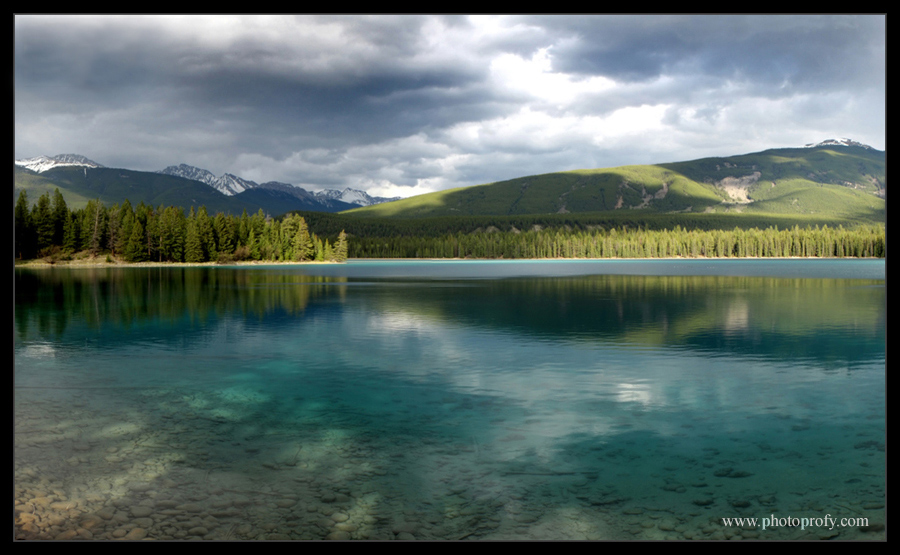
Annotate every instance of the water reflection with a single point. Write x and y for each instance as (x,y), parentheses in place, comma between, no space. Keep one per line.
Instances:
(269,403)
(781,317)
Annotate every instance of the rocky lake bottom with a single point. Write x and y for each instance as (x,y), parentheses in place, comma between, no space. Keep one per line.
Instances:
(616,408)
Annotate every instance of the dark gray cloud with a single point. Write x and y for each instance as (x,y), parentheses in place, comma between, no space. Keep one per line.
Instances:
(415,103)
(808,51)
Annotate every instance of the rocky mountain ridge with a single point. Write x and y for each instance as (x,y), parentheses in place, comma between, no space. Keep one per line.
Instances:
(228,184)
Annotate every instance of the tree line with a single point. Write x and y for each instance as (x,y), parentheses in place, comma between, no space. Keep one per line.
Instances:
(167,234)
(164,234)
(328,223)
(861,241)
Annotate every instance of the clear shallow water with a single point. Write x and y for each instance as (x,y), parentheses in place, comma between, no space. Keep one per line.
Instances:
(451,400)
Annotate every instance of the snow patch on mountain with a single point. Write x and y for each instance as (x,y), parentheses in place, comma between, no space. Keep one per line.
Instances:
(353,196)
(191,172)
(836,142)
(228,184)
(295,191)
(41,164)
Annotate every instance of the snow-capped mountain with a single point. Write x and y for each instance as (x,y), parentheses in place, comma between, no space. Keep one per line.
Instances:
(191,172)
(228,184)
(836,142)
(304,195)
(41,164)
(352,196)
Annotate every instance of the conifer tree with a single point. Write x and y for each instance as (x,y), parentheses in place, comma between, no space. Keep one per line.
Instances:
(23,229)
(136,250)
(151,232)
(303,245)
(114,228)
(224,232)
(340,249)
(193,249)
(170,231)
(319,249)
(60,212)
(206,234)
(42,220)
(70,234)
(243,229)
(93,226)
(126,218)
(253,244)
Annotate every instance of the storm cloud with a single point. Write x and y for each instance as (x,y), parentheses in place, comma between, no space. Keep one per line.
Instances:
(401,105)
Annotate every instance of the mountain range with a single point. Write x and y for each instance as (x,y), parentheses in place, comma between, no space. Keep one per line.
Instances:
(273,197)
(834,181)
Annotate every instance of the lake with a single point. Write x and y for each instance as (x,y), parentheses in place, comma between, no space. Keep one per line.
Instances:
(475,400)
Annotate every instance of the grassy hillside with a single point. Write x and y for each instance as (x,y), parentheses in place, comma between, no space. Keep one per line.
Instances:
(560,192)
(849,166)
(837,183)
(807,186)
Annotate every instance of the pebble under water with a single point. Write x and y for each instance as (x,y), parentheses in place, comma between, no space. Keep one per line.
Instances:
(290,403)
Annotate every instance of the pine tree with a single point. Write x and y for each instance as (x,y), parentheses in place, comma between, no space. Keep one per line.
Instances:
(93,224)
(206,234)
(243,229)
(193,249)
(288,231)
(23,229)
(319,249)
(60,212)
(126,219)
(136,250)
(70,234)
(171,234)
(114,228)
(224,232)
(303,245)
(340,249)
(253,244)
(42,220)
(151,234)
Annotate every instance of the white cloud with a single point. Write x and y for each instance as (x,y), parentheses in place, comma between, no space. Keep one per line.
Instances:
(402,104)
(534,78)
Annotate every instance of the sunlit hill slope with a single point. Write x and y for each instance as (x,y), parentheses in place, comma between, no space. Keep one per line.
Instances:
(827,180)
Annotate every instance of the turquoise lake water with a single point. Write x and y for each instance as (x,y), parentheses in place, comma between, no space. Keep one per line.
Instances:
(572,400)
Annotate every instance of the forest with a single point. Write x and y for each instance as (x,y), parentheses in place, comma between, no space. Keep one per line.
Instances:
(862,241)
(51,230)
(164,234)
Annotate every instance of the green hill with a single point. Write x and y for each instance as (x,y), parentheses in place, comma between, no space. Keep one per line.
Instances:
(79,185)
(827,184)
(835,182)
(111,185)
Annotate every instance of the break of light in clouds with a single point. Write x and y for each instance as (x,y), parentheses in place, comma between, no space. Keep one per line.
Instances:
(401,105)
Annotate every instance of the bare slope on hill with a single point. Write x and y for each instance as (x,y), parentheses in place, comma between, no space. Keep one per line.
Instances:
(826,180)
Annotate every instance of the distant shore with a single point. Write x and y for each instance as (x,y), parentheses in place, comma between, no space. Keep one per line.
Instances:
(102,263)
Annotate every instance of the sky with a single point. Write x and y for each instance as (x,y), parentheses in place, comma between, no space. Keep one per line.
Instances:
(398,105)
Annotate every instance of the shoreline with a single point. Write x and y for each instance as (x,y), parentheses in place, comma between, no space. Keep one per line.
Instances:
(91,263)
(102,263)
